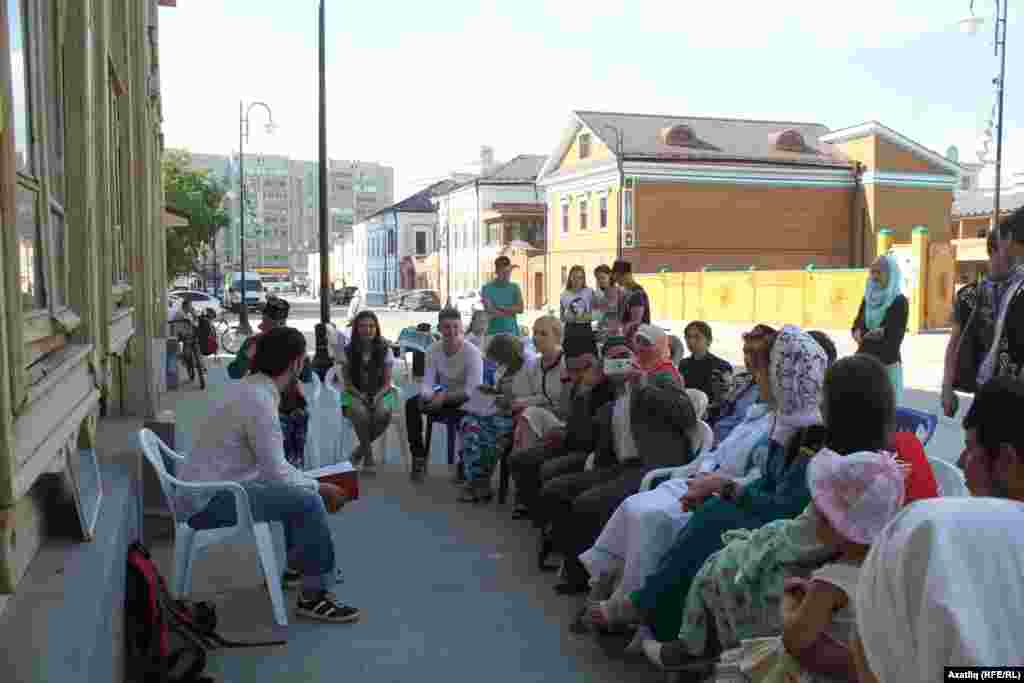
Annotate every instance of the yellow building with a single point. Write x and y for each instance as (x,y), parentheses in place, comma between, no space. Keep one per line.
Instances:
(671,193)
(84,305)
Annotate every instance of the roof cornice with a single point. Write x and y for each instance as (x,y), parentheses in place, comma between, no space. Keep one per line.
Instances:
(875,128)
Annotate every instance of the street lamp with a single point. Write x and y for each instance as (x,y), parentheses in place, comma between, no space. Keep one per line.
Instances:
(970,26)
(243,135)
(622,184)
(322,360)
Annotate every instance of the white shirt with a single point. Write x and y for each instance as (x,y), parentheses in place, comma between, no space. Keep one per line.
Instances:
(622,431)
(462,371)
(577,304)
(241,440)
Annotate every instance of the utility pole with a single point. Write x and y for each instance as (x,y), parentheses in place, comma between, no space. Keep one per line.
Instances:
(322,361)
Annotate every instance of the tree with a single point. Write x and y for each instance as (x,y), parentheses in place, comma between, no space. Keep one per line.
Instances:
(194,193)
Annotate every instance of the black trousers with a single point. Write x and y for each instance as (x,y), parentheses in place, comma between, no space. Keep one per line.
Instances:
(578,506)
(414,423)
(531,467)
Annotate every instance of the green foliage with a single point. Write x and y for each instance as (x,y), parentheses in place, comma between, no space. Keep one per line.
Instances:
(195,194)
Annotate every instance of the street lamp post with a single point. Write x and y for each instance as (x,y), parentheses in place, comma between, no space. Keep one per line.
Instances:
(243,135)
(622,186)
(970,25)
(322,360)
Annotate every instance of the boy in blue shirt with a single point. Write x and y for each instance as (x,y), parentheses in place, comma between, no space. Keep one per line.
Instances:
(502,300)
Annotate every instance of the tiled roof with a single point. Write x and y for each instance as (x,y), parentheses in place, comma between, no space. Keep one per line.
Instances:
(716,139)
(420,202)
(982,203)
(521,169)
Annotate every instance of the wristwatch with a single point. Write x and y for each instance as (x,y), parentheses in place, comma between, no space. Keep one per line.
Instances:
(729,490)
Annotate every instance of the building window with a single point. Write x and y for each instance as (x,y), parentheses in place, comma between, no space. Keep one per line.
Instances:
(584,145)
(421,244)
(604,211)
(39,214)
(565,218)
(565,274)
(583,213)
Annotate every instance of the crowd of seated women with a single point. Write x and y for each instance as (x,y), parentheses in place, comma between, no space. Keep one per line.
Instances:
(767,555)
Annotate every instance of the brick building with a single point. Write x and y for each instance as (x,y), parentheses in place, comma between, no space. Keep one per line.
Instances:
(685,193)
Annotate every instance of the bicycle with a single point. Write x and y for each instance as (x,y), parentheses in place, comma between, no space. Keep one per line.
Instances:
(192,356)
(232,338)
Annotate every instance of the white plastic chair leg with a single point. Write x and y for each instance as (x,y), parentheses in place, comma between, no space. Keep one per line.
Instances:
(268,559)
(184,555)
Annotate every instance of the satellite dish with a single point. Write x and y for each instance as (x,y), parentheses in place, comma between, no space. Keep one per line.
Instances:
(953,154)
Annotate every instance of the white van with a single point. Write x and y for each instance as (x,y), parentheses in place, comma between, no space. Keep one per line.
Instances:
(255,296)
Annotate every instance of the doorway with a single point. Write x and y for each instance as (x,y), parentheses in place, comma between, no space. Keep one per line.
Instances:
(538,291)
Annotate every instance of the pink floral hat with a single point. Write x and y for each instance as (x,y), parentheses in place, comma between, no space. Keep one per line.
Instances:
(858,493)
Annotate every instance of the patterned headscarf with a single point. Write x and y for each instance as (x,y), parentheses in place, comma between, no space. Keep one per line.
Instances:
(877,299)
(796,371)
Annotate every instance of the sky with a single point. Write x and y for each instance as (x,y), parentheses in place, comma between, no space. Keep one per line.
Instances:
(421,86)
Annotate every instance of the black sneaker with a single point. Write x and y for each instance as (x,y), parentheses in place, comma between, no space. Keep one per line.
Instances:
(323,606)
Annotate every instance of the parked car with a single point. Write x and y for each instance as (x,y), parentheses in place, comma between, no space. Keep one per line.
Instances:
(421,300)
(467,302)
(255,296)
(200,302)
(343,296)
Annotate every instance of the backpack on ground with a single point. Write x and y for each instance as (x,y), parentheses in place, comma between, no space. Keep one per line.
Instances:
(167,639)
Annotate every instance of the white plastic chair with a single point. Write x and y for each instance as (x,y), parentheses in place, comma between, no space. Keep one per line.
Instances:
(188,541)
(707,439)
(950,479)
(333,431)
(314,433)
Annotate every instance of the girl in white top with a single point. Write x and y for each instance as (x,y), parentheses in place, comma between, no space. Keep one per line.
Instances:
(577,300)
(854,498)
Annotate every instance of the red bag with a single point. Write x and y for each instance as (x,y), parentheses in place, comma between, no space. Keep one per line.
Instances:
(210,347)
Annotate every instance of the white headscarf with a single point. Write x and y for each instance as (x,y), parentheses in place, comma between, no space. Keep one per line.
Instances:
(942,587)
(796,371)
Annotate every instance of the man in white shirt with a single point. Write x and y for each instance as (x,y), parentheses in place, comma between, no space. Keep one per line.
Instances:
(453,374)
(241,441)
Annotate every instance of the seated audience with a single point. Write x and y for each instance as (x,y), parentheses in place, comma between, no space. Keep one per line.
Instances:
(542,410)
(644,527)
(487,426)
(781,493)
(240,440)
(454,371)
(743,393)
(941,587)
(826,343)
(854,497)
(702,369)
(369,397)
(737,592)
(564,449)
(478,329)
(650,426)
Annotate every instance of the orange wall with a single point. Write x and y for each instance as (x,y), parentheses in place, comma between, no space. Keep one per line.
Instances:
(892,157)
(689,226)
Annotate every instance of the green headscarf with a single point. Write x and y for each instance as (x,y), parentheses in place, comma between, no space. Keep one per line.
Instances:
(877,299)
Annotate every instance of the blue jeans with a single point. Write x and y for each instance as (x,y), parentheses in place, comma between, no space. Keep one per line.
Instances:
(306,534)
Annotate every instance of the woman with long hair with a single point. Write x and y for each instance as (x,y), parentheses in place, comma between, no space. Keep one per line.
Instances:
(737,593)
(577,301)
(369,398)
